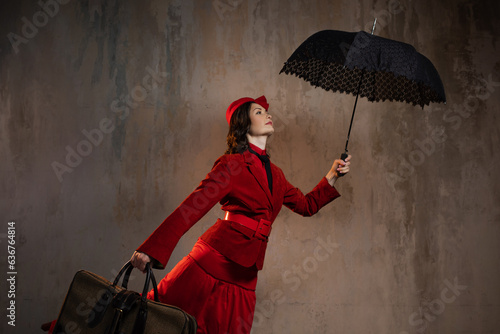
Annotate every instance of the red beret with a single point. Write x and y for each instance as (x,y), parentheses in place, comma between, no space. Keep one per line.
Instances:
(236,104)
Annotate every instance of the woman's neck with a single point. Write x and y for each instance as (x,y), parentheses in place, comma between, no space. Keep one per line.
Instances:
(259,141)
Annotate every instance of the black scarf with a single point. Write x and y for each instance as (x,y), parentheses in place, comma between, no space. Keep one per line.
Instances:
(267,165)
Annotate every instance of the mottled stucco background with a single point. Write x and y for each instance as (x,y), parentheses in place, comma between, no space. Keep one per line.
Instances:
(111,112)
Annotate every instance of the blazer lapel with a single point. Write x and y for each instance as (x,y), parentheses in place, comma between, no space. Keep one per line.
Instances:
(252,162)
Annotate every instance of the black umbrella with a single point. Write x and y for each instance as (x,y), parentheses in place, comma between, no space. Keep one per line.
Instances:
(366,65)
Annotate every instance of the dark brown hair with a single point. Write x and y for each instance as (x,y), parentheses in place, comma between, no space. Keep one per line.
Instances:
(239,125)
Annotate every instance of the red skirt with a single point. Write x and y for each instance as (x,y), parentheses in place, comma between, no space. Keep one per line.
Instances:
(219,293)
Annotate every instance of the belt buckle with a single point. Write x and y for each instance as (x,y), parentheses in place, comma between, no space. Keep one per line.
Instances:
(263,230)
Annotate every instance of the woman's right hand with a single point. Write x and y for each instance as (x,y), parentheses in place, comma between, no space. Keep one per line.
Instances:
(139,260)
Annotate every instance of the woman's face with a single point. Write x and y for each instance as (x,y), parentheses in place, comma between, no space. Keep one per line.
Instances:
(261,123)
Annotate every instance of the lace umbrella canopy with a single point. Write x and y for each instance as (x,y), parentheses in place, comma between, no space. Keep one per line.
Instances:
(366,65)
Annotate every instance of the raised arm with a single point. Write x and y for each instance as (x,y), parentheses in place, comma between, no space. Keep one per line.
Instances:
(322,194)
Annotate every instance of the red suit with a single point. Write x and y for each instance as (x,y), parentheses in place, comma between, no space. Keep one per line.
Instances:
(239,183)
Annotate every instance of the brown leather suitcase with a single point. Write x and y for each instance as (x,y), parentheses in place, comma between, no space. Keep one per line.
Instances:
(93,305)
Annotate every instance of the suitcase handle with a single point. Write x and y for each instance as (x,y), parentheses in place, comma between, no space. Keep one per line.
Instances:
(108,298)
(150,277)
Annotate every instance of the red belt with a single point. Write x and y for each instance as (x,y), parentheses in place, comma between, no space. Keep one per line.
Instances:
(262,227)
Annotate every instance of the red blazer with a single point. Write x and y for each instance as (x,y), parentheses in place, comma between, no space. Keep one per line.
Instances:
(236,182)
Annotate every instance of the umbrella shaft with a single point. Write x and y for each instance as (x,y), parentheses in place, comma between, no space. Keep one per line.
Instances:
(354,110)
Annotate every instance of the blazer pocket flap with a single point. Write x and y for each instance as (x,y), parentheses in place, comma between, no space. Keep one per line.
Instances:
(249,233)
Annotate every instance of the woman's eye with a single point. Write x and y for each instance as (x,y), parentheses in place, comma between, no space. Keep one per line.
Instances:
(259,112)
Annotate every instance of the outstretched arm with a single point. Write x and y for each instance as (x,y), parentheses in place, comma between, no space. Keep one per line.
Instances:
(307,205)
(159,245)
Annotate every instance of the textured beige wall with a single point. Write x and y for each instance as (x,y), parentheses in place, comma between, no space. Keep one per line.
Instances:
(411,246)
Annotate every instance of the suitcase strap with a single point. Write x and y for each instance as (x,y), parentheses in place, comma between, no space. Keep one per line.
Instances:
(142,317)
(123,302)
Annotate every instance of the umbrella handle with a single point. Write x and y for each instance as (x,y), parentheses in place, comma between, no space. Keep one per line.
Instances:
(343,156)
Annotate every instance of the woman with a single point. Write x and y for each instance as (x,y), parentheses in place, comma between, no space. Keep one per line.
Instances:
(216,281)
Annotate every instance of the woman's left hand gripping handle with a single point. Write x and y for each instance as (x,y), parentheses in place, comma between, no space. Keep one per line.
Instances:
(139,260)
